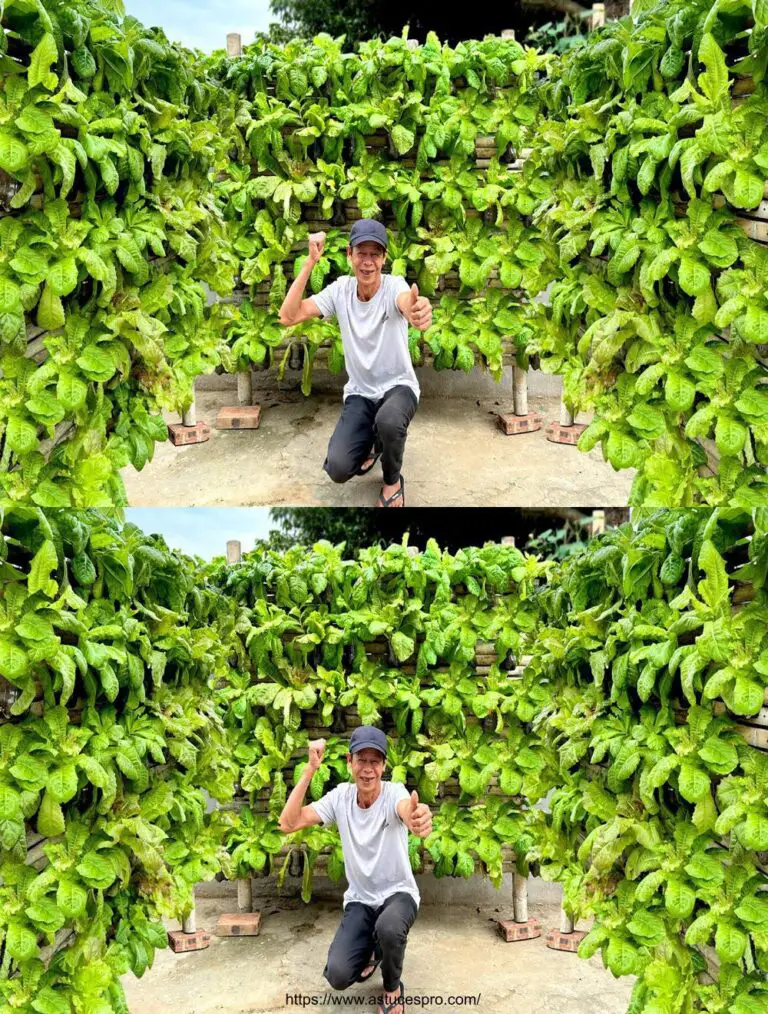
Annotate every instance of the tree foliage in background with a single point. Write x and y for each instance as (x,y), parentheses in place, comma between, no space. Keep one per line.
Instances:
(366,19)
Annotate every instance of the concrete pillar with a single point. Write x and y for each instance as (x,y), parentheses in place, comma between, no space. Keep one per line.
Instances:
(566,416)
(520,897)
(234,551)
(520,390)
(598,16)
(189,415)
(508,33)
(245,387)
(189,923)
(598,522)
(566,923)
(234,44)
(245,895)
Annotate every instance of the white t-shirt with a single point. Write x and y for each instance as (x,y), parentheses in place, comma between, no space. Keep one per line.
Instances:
(374,334)
(374,841)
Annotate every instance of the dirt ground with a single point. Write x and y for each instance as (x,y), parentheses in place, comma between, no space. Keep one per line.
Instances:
(455,456)
(452,952)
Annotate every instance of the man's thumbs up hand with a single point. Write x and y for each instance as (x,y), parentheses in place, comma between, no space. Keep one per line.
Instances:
(419,817)
(418,309)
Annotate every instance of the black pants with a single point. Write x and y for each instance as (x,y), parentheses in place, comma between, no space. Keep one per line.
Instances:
(365,929)
(365,423)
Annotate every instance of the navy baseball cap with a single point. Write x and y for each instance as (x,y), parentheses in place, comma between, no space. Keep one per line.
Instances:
(368,229)
(368,736)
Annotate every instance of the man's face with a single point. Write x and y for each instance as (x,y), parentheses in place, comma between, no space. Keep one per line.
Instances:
(367,260)
(367,767)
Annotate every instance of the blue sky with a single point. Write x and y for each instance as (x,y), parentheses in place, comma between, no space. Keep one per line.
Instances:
(203,531)
(203,24)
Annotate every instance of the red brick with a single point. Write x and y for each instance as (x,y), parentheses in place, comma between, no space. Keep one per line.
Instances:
(514,424)
(559,941)
(238,924)
(513,931)
(180,434)
(180,941)
(564,434)
(239,417)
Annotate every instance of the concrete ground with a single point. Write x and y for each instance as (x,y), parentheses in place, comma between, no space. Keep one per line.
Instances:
(453,951)
(455,456)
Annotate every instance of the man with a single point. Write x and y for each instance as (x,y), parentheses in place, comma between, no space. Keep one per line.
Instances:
(382,393)
(382,899)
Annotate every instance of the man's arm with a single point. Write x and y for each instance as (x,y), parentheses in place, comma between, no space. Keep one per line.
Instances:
(416,816)
(296,309)
(295,815)
(416,309)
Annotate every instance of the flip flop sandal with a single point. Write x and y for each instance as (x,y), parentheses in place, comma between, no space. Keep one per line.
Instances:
(386,501)
(387,1008)
(362,978)
(374,458)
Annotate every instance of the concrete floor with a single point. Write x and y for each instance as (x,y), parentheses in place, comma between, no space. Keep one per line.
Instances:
(455,456)
(452,951)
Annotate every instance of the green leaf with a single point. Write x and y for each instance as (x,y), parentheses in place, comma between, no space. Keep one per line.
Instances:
(679,899)
(20,942)
(50,817)
(679,391)
(747,189)
(729,942)
(755,326)
(730,435)
(20,435)
(621,957)
(71,897)
(754,833)
(693,782)
(14,154)
(62,783)
(44,563)
(693,275)
(62,276)
(71,390)
(50,310)
(714,589)
(714,81)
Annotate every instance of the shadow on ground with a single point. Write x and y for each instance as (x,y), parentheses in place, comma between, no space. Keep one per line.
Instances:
(453,951)
(455,456)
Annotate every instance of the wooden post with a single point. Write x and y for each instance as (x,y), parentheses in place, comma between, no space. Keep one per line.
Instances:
(598,16)
(519,391)
(189,415)
(598,522)
(245,387)
(234,551)
(189,922)
(234,44)
(520,897)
